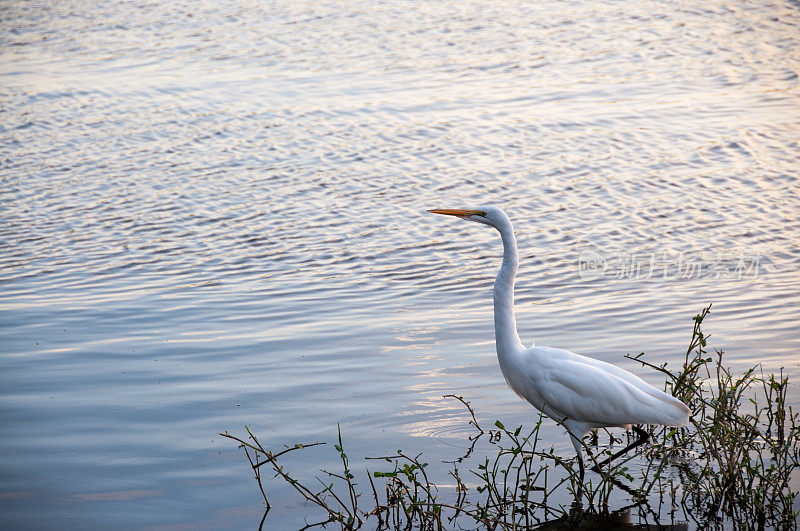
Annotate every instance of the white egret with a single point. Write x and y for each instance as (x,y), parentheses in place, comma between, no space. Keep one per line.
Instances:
(581,393)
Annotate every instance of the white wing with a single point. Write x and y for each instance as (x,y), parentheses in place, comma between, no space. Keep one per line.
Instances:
(594,392)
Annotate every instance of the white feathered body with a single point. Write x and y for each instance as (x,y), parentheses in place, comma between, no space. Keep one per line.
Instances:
(586,392)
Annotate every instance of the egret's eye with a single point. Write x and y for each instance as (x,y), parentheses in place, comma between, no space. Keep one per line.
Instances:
(482,213)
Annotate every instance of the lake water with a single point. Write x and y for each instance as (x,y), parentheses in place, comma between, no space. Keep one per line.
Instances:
(213,214)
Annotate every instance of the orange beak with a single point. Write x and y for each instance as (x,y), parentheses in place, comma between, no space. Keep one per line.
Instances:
(457,212)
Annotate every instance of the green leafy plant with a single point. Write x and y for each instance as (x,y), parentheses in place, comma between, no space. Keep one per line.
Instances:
(731,468)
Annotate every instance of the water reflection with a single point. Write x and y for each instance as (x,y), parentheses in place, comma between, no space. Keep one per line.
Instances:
(210,218)
(621,519)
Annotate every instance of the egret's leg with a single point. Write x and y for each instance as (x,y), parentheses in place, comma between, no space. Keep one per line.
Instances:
(579,495)
(577,444)
(643,436)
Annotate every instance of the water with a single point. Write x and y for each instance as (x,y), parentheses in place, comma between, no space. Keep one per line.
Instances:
(213,215)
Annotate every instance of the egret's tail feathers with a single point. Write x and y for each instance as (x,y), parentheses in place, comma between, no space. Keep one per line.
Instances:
(669,410)
(683,415)
(676,412)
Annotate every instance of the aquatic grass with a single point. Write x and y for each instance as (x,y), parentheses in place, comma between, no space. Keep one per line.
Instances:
(744,439)
(732,467)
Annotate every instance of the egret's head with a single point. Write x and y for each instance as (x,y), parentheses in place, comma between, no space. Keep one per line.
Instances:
(488,215)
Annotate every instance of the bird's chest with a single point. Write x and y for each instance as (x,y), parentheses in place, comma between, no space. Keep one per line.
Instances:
(518,378)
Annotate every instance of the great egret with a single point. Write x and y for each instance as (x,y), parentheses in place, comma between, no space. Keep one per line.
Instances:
(581,393)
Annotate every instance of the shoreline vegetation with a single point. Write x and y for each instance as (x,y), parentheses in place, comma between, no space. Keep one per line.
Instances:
(733,467)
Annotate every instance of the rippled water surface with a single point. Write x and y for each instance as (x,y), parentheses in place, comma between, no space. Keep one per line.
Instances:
(213,214)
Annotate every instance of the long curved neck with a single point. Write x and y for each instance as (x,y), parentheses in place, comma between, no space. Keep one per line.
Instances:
(505,324)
